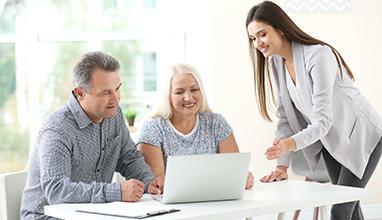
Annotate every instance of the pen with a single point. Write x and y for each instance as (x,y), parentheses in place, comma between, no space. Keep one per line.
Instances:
(161,212)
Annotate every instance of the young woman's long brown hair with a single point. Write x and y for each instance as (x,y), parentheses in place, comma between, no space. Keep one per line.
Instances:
(271,14)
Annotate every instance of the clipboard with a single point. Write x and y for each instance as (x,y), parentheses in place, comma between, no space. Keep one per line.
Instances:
(143,216)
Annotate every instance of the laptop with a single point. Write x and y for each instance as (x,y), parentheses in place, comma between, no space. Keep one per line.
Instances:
(207,177)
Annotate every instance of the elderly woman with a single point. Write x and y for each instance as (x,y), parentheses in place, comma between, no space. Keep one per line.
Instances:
(183,123)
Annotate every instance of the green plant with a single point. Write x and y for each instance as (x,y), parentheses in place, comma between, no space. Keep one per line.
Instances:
(130,115)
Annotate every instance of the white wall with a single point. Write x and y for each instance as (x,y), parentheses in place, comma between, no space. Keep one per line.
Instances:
(355,34)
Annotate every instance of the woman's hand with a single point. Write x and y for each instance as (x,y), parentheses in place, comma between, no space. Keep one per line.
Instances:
(250,180)
(280,173)
(279,148)
(156,186)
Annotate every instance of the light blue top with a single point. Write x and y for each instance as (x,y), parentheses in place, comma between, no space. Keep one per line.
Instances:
(209,131)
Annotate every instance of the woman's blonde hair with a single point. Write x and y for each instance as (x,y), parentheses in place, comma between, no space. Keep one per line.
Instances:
(163,106)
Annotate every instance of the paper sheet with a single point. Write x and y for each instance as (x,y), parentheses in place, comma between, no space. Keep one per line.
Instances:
(139,208)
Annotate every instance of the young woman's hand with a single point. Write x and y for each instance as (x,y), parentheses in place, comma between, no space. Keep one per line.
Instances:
(280,173)
(249,182)
(279,148)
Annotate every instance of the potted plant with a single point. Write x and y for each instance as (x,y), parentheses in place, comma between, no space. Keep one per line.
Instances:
(130,115)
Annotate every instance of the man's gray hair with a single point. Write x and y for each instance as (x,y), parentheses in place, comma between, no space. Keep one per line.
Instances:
(88,63)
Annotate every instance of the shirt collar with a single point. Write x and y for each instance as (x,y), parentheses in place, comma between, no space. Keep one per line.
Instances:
(79,114)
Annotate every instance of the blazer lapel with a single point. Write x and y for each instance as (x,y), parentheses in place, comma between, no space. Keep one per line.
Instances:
(303,79)
(290,109)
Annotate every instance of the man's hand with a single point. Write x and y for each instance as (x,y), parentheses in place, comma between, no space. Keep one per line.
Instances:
(280,147)
(280,173)
(249,183)
(132,190)
(156,186)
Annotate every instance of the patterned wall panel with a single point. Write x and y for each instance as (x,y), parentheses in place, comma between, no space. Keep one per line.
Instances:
(318,5)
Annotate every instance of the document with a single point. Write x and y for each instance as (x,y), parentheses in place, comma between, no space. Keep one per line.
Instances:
(137,210)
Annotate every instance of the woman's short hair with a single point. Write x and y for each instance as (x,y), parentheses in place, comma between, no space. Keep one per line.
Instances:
(163,107)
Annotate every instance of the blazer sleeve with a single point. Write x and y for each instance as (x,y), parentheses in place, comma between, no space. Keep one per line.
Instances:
(283,130)
(322,69)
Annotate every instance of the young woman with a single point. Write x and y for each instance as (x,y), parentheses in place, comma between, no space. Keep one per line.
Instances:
(183,123)
(319,110)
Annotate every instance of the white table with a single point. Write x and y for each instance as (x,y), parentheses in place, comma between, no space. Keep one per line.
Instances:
(265,198)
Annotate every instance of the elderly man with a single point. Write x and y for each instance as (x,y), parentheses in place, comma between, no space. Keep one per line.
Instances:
(81,145)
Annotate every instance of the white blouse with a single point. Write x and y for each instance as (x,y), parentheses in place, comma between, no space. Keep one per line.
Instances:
(294,94)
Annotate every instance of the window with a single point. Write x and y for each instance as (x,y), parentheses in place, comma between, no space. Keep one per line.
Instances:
(13,137)
(149,72)
(41,40)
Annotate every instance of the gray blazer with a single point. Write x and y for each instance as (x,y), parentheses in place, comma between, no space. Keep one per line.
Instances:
(340,118)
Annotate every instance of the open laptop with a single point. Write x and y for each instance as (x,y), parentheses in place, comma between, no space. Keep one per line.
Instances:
(208,177)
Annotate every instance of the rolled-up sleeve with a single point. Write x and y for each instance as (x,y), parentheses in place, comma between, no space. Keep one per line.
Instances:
(131,163)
